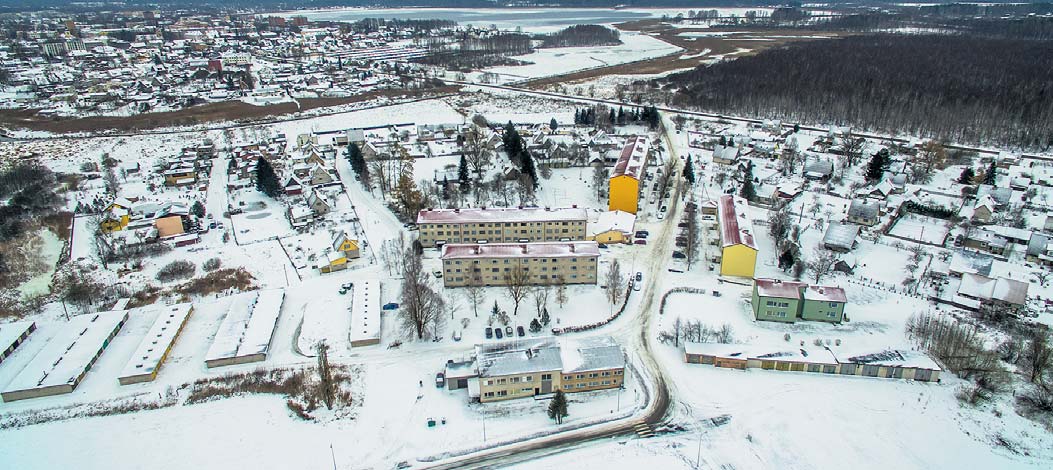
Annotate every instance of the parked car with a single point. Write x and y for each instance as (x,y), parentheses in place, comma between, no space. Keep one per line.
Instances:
(347,285)
(664,208)
(661,215)
(639,276)
(637,286)
(681,224)
(681,244)
(602,245)
(489,332)
(390,306)
(679,255)
(497,332)
(211,225)
(640,241)
(508,331)
(642,233)
(440,380)
(438,274)
(520,330)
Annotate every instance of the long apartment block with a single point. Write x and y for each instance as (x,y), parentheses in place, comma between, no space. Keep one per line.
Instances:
(498,264)
(489,225)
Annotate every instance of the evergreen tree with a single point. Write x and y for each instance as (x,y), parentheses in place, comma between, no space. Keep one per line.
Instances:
(577,117)
(557,409)
(535,326)
(528,168)
(445,188)
(878,163)
(198,209)
(612,117)
(495,311)
(513,142)
(747,191)
(621,116)
(991,174)
(266,179)
(357,161)
(689,171)
(553,125)
(462,174)
(967,176)
(544,316)
(724,141)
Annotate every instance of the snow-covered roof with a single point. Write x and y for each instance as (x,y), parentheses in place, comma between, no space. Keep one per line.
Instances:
(841,235)
(970,262)
(587,354)
(147,358)
(986,288)
(548,354)
(888,358)
(488,215)
(520,250)
(365,311)
(735,225)
(778,288)
(247,328)
(619,221)
(825,294)
(10,332)
(70,353)
(861,209)
(812,355)
(633,159)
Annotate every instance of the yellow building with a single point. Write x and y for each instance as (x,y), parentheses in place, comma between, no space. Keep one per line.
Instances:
(738,254)
(116,216)
(346,245)
(624,191)
(612,227)
(334,261)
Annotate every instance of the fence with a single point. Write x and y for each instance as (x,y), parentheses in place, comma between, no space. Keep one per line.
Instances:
(592,326)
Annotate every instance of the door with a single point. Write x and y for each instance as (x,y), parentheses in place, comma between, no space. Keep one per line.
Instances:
(546,383)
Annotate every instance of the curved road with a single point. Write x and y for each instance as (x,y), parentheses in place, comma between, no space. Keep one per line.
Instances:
(641,343)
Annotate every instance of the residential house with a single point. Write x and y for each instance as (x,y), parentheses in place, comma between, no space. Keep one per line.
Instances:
(738,254)
(864,213)
(786,301)
(840,237)
(612,227)
(346,245)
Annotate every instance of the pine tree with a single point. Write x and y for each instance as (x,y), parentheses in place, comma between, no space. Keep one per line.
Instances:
(577,117)
(689,171)
(747,191)
(557,409)
(553,125)
(990,176)
(462,174)
(612,117)
(266,179)
(528,167)
(878,163)
(357,161)
(967,176)
(535,326)
(621,116)
(198,209)
(544,316)
(496,310)
(445,188)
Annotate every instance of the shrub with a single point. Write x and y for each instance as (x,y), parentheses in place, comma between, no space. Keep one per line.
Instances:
(212,264)
(181,269)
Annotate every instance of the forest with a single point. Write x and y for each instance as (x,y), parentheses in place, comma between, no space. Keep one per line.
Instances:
(581,35)
(950,87)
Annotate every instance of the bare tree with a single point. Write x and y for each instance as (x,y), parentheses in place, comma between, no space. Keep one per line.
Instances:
(615,282)
(725,334)
(517,281)
(822,263)
(853,148)
(541,293)
(475,152)
(474,295)
(561,291)
(692,235)
(599,181)
(1037,356)
(422,306)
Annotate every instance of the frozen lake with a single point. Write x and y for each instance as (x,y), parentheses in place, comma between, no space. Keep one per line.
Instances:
(530,19)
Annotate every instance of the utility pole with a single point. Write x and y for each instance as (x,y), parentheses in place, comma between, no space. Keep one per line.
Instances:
(698,458)
(333,453)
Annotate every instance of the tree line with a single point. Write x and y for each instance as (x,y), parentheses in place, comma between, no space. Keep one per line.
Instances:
(952,88)
(581,35)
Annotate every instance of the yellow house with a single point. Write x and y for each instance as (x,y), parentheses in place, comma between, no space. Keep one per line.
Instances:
(346,246)
(334,261)
(738,254)
(624,191)
(612,227)
(116,216)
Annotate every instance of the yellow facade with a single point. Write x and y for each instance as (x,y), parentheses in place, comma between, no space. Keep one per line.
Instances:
(610,236)
(624,194)
(348,245)
(336,264)
(738,260)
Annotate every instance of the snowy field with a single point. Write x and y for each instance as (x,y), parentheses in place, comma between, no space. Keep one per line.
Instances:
(929,230)
(547,62)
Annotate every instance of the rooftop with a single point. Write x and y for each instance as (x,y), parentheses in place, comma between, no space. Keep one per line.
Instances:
(735,225)
(488,215)
(633,159)
(779,288)
(520,250)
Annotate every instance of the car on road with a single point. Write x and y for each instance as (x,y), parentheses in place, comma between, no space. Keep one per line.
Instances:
(212,225)
(437,274)
(489,332)
(440,380)
(661,216)
(681,224)
(520,331)
(390,306)
(639,276)
(637,286)
(679,255)
(642,233)
(664,208)
(640,242)
(602,245)
(497,332)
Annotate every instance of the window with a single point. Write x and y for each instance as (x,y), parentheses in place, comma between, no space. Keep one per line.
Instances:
(526,390)
(606,373)
(566,387)
(546,376)
(581,385)
(502,393)
(489,382)
(833,304)
(617,372)
(813,367)
(831,314)
(580,376)
(606,382)
(592,375)
(528,378)
(501,381)
(488,394)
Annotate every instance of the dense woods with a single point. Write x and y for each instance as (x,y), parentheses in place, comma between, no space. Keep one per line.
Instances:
(581,35)
(948,87)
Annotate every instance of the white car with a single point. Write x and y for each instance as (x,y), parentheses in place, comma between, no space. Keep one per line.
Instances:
(661,215)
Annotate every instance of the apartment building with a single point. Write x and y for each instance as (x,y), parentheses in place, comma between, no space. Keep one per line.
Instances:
(498,264)
(788,301)
(738,254)
(483,225)
(624,189)
(538,366)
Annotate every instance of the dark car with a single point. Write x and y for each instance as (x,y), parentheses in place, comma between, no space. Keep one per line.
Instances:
(489,332)
(640,242)
(497,331)
(390,306)
(679,255)
(440,380)
(682,224)
(601,245)
(642,233)
(520,330)
(639,276)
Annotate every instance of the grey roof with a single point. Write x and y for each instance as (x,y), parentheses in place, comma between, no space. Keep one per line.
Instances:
(864,210)
(515,357)
(823,167)
(970,262)
(841,235)
(1037,244)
